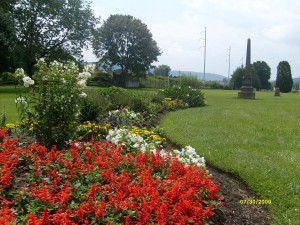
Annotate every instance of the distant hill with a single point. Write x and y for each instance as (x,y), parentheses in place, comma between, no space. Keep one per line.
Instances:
(296,80)
(199,75)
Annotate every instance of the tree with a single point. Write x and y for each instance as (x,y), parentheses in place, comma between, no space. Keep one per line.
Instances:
(162,70)
(7,38)
(263,72)
(236,80)
(125,41)
(284,80)
(45,27)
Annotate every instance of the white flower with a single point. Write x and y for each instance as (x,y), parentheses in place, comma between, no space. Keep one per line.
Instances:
(27,81)
(83,94)
(89,68)
(84,75)
(20,100)
(136,145)
(55,63)
(20,72)
(82,83)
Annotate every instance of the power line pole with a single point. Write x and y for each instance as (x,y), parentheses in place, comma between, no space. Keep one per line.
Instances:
(204,54)
(204,63)
(229,51)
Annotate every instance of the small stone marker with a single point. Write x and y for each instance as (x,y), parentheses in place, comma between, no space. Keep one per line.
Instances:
(246,90)
(277,92)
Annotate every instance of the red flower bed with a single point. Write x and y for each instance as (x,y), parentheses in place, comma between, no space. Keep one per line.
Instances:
(96,183)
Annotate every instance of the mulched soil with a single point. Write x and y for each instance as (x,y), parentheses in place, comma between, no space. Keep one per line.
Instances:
(234,189)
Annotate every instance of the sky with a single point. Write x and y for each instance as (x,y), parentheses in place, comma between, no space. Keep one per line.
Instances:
(178,27)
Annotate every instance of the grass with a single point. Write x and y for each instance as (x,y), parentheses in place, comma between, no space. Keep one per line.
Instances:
(256,139)
(7,103)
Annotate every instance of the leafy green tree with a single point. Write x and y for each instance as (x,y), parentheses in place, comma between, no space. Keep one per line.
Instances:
(125,41)
(7,38)
(237,77)
(45,27)
(284,78)
(236,80)
(263,72)
(162,70)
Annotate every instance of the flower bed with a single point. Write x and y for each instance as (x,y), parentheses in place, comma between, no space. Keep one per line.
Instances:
(102,183)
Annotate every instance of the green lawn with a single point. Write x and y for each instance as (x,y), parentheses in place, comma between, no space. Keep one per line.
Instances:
(257,139)
(7,103)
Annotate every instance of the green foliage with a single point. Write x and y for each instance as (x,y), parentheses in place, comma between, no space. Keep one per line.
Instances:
(53,106)
(158,82)
(56,29)
(2,120)
(120,98)
(162,70)
(127,42)
(263,72)
(100,79)
(171,105)
(93,105)
(7,78)
(189,81)
(284,78)
(7,41)
(236,80)
(214,85)
(190,96)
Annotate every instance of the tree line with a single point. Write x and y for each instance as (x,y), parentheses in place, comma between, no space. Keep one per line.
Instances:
(261,74)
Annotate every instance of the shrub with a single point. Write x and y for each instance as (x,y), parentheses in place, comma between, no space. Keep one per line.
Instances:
(7,78)
(93,106)
(190,96)
(100,79)
(190,81)
(54,102)
(120,98)
(170,105)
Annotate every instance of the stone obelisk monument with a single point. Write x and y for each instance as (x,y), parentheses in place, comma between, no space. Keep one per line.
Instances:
(246,90)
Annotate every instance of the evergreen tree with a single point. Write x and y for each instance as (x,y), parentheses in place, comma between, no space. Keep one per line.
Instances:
(263,72)
(284,80)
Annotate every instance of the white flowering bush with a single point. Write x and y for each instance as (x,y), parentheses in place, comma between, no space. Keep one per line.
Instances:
(54,101)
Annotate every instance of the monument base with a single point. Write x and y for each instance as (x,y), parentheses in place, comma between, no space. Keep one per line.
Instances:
(246,93)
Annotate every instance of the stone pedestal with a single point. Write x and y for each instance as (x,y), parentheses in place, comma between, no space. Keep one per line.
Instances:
(246,92)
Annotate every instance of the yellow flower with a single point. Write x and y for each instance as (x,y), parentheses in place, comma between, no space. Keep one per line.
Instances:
(10,125)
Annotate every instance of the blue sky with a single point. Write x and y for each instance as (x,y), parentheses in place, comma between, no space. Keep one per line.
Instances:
(178,28)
